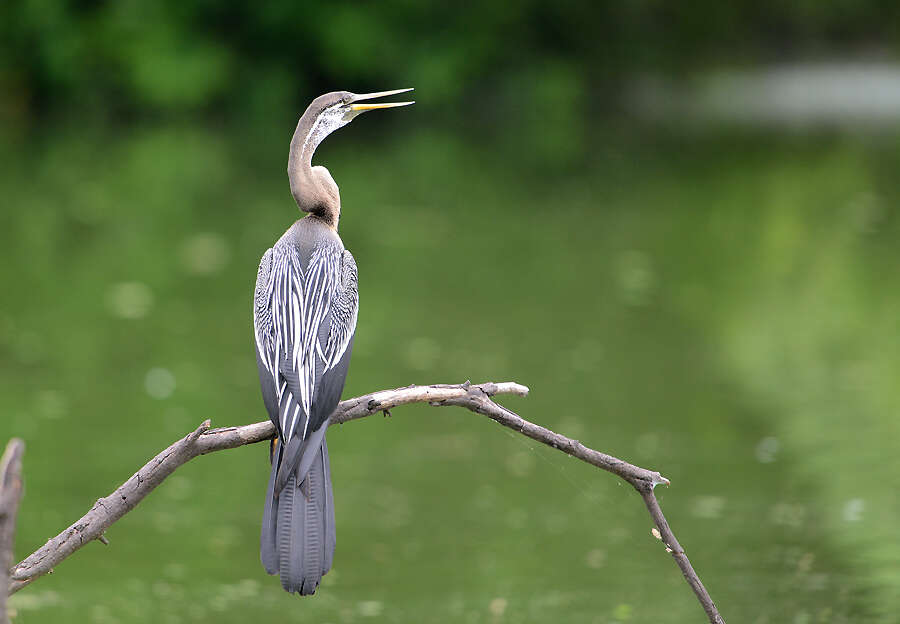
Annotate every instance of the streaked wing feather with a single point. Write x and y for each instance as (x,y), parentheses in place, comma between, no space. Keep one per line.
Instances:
(263,336)
(344,314)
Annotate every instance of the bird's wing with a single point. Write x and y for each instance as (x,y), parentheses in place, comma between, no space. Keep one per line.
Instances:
(264,335)
(305,347)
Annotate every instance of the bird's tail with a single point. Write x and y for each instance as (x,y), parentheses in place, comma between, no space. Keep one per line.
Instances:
(298,531)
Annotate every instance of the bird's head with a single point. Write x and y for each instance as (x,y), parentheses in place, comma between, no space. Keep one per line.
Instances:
(335,110)
(313,188)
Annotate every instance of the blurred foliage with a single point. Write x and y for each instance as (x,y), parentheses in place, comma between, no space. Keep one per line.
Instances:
(170,57)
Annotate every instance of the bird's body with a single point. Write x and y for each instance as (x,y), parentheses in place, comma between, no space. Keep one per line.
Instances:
(305,311)
(304,314)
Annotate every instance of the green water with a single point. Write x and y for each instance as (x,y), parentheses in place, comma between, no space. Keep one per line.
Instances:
(722,310)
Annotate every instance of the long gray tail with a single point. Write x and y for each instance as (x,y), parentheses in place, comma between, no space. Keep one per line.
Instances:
(298,531)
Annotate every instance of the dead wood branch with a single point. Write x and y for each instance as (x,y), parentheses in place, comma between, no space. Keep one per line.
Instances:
(475,397)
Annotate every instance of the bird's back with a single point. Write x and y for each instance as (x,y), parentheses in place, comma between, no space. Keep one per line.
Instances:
(311,305)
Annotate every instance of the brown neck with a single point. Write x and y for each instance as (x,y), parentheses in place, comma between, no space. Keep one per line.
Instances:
(313,188)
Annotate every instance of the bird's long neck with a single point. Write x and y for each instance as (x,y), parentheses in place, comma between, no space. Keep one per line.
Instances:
(313,188)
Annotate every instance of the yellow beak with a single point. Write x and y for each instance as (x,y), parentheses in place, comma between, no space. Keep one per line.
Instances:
(372,96)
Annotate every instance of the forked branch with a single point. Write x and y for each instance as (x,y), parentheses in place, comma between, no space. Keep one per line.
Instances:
(477,398)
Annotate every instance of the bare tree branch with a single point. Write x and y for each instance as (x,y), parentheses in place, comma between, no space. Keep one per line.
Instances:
(476,398)
(10,494)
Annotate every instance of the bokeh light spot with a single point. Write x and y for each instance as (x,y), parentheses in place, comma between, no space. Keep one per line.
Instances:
(159,383)
(205,253)
(129,300)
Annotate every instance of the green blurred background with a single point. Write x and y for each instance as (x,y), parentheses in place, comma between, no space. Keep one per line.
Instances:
(677,223)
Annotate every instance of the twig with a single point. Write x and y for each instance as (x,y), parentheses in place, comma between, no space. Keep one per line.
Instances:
(476,398)
(10,494)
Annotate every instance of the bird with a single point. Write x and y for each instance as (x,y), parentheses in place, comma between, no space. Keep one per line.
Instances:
(305,306)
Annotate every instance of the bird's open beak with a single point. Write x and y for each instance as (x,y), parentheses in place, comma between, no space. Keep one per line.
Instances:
(360,108)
